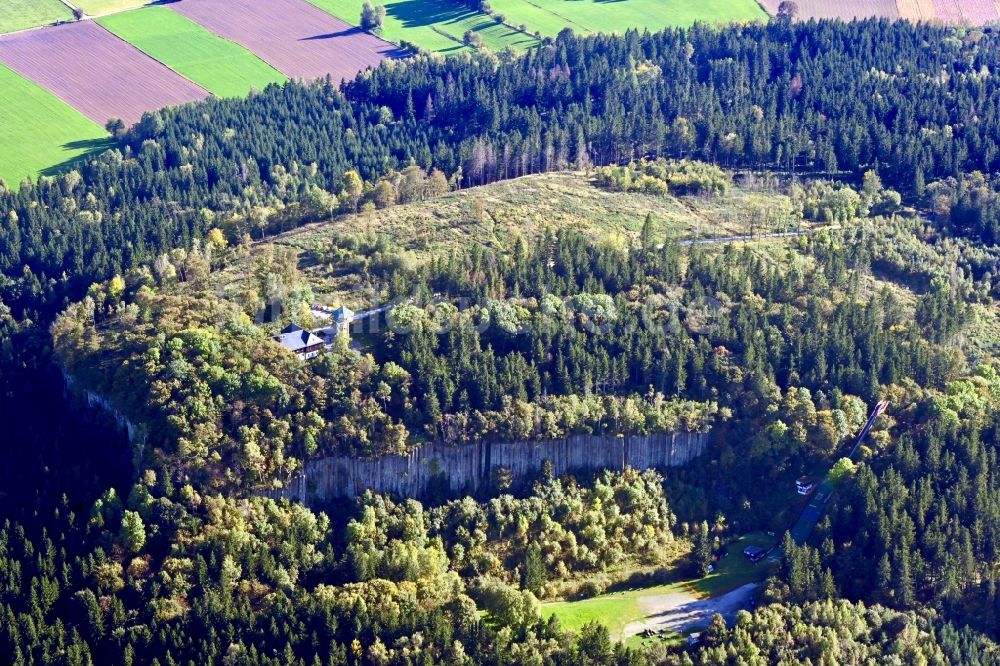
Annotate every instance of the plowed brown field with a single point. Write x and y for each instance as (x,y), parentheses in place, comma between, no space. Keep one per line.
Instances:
(917,10)
(844,9)
(295,37)
(975,12)
(971,12)
(95,72)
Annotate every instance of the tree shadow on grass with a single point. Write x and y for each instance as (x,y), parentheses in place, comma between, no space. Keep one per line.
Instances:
(89,148)
(348,33)
(417,13)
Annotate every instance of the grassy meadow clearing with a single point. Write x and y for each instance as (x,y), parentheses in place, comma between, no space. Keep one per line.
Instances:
(616,610)
(495,215)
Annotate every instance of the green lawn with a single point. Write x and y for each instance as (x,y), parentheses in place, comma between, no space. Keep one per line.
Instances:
(222,67)
(23,14)
(99,7)
(583,16)
(617,609)
(612,610)
(435,25)
(38,131)
(735,570)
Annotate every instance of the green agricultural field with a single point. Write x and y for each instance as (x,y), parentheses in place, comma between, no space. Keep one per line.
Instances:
(435,25)
(24,14)
(100,7)
(38,131)
(585,16)
(222,67)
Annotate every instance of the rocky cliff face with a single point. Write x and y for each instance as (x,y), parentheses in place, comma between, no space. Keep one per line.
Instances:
(137,434)
(465,468)
(468,467)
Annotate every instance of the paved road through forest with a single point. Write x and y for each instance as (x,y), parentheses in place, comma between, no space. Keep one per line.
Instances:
(817,504)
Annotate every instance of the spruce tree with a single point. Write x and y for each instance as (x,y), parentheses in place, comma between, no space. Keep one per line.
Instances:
(535,575)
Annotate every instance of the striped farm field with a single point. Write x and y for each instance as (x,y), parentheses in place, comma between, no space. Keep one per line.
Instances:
(947,10)
(24,14)
(591,16)
(295,37)
(916,10)
(843,9)
(960,12)
(974,12)
(38,131)
(220,66)
(95,72)
(434,25)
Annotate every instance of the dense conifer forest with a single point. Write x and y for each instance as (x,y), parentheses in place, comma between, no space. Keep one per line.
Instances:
(883,139)
(916,102)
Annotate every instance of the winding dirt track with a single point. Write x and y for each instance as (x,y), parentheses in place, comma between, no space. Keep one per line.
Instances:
(298,39)
(96,72)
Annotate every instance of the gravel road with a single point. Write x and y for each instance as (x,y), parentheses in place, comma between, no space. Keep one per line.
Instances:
(680,610)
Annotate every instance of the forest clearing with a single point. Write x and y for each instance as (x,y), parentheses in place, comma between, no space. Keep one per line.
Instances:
(675,608)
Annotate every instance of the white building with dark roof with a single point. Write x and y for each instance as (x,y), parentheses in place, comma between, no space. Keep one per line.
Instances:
(301,342)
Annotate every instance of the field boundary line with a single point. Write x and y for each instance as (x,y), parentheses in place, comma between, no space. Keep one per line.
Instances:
(448,35)
(212,36)
(558,15)
(151,57)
